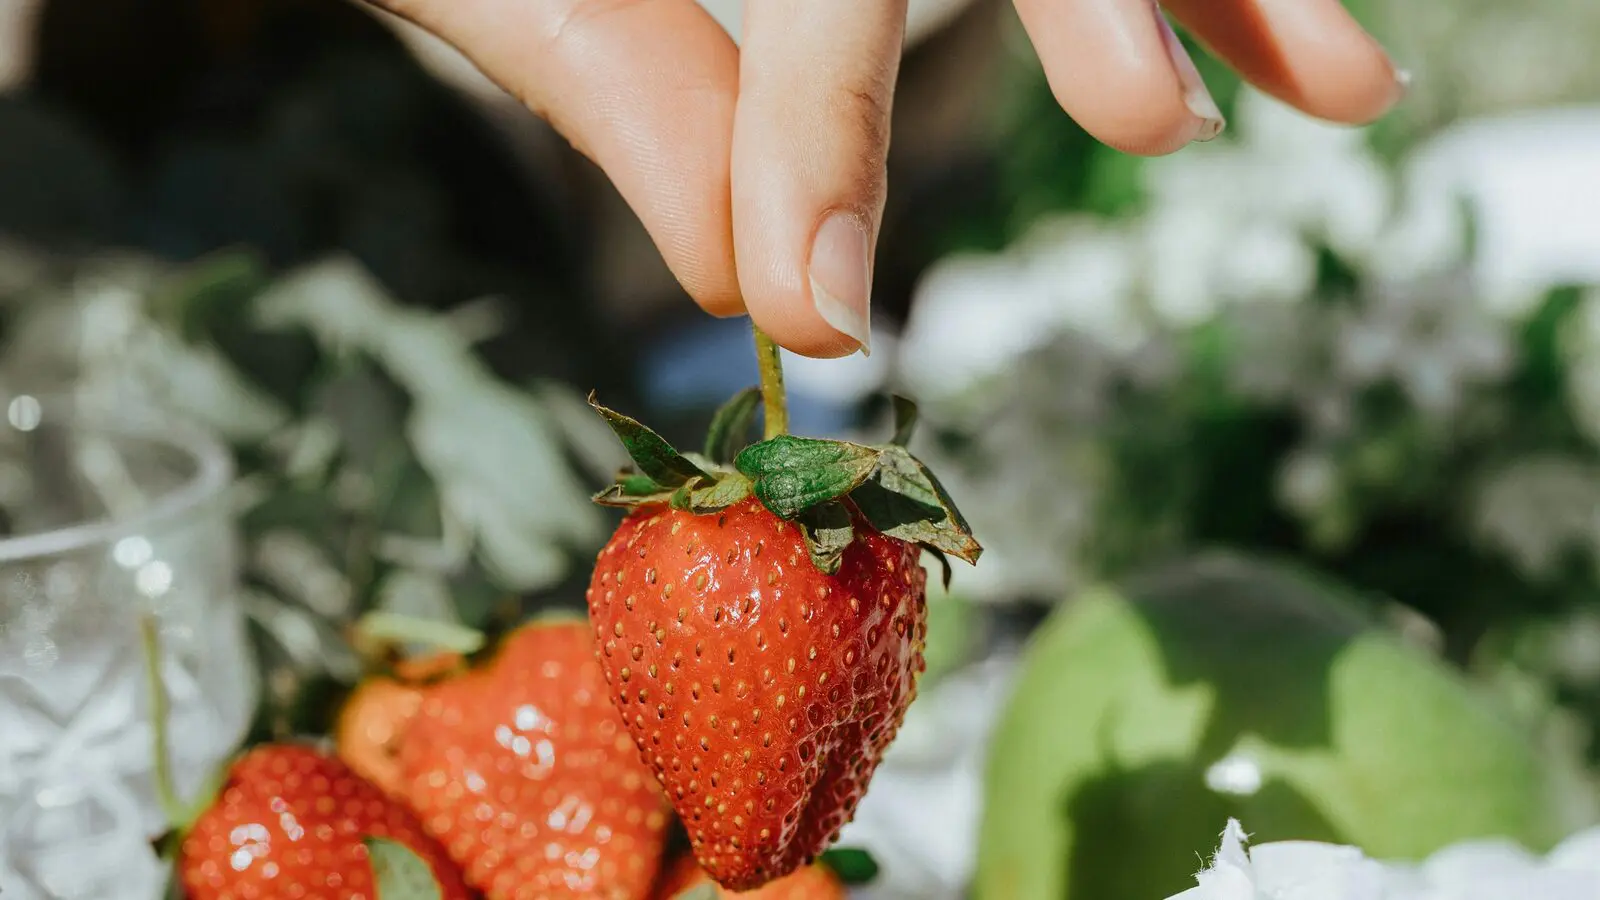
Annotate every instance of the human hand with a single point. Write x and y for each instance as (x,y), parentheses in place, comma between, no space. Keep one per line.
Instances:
(759,170)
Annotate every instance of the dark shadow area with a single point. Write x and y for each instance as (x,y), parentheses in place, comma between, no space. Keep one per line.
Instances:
(297,129)
(1239,627)
(1166,811)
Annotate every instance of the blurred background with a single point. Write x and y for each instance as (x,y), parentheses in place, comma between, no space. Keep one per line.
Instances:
(1285,449)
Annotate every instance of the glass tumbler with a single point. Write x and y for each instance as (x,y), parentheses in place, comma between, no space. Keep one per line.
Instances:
(114,528)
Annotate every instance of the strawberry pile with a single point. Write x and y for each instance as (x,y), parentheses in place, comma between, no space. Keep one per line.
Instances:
(754,638)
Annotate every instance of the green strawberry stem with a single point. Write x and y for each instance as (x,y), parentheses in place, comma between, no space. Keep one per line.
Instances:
(775,404)
(172,805)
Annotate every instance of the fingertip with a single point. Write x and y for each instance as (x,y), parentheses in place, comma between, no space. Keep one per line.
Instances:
(1122,74)
(1151,128)
(1353,85)
(1310,54)
(811,139)
(807,335)
(702,258)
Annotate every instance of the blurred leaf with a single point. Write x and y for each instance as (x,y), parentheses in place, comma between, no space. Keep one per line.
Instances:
(367,410)
(296,508)
(299,570)
(1227,687)
(499,472)
(594,444)
(417,595)
(495,460)
(417,635)
(954,634)
(308,640)
(342,306)
(730,426)
(199,381)
(218,288)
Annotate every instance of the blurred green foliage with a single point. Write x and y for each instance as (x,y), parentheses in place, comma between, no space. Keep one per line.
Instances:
(1226,688)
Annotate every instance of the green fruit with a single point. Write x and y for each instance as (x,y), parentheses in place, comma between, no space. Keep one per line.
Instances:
(1219,688)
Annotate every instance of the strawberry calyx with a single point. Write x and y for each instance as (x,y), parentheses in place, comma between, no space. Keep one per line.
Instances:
(827,488)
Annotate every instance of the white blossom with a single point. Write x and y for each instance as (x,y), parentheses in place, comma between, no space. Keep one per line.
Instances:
(1430,338)
(1475,870)
(1538,508)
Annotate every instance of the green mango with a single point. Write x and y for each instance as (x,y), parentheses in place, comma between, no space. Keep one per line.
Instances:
(1142,719)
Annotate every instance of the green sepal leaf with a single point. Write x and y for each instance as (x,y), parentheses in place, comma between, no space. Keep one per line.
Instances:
(731,425)
(828,531)
(703,891)
(853,866)
(725,492)
(680,497)
(904,500)
(634,484)
(791,474)
(905,419)
(400,873)
(616,495)
(648,450)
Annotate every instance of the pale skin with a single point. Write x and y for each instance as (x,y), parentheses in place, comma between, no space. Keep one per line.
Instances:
(758,169)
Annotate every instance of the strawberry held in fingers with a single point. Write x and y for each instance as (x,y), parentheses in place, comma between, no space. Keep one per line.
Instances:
(523,771)
(293,822)
(761,615)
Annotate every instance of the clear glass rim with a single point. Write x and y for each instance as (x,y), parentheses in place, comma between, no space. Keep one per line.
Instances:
(212,475)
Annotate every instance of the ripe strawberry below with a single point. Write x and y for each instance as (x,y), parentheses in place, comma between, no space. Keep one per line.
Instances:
(761,691)
(370,727)
(290,822)
(523,771)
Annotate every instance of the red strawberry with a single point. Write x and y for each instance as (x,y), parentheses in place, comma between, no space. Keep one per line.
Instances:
(290,822)
(374,718)
(523,771)
(762,630)
(761,690)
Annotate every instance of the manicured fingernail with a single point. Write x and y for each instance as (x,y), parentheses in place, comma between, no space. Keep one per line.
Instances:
(1195,94)
(841,277)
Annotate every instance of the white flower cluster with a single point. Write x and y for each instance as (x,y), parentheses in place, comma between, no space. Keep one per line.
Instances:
(1477,870)
(1029,353)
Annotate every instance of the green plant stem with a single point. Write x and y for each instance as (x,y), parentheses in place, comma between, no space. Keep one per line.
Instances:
(166,789)
(774,403)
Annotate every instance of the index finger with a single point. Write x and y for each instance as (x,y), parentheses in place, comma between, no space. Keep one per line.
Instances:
(1311,54)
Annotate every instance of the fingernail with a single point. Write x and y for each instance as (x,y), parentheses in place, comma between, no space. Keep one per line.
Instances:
(841,277)
(1195,94)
